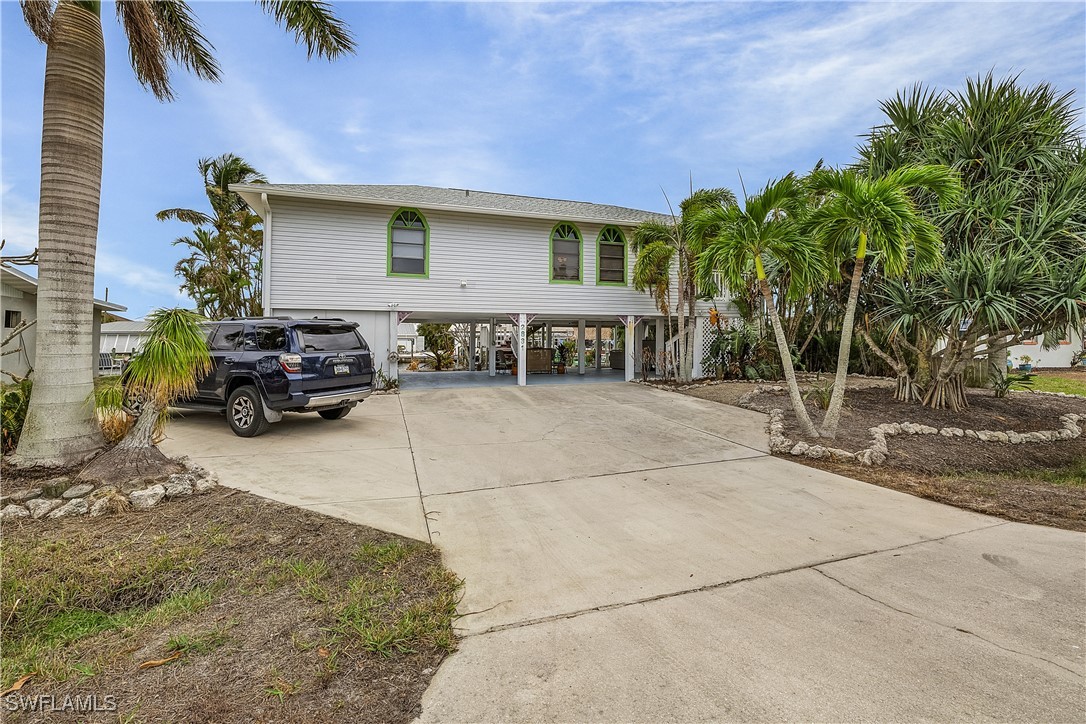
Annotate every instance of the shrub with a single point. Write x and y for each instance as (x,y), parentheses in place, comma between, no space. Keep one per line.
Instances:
(14,402)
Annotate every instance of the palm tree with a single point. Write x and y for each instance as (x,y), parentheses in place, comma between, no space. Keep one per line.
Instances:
(167,367)
(60,427)
(764,235)
(659,246)
(859,212)
(222,272)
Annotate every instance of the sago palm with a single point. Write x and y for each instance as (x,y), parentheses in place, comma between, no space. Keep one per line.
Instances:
(859,215)
(60,427)
(167,367)
(765,234)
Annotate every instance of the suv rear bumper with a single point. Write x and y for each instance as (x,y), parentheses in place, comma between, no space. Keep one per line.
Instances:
(338,398)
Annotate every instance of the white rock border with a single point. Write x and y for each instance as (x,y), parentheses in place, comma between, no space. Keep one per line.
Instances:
(877,452)
(193,480)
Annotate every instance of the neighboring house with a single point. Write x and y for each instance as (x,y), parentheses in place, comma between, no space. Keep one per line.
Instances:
(122,339)
(1059,356)
(19,301)
(382,255)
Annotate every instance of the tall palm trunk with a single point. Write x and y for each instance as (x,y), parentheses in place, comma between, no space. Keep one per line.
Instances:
(60,428)
(786,354)
(837,399)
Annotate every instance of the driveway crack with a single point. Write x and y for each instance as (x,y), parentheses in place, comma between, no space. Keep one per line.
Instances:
(943,625)
(415,467)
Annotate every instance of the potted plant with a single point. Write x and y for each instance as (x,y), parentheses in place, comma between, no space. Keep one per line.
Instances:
(1079,358)
(1025,363)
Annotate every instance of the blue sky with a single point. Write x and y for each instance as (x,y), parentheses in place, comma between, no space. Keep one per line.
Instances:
(601,102)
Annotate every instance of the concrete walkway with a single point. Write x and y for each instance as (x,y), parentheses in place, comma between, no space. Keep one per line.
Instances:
(410,381)
(635,555)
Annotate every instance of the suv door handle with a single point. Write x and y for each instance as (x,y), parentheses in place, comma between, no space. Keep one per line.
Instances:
(230,360)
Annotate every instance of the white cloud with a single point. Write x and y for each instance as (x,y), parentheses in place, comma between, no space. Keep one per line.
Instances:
(758,85)
(123,274)
(256,128)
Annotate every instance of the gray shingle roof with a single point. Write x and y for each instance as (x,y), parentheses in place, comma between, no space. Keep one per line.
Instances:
(483,201)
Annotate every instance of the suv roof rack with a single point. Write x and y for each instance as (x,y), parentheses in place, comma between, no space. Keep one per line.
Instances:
(242,319)
(328,319)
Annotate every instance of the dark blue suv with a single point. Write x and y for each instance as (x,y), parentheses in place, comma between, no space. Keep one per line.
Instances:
(265,366)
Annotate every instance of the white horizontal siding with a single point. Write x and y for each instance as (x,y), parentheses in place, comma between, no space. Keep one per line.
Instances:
(327,255)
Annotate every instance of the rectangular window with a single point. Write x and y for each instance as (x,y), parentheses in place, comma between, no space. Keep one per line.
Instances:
(12,318)
(567,260)
(408,251)
(227,337)
(329,338)
(612,263)
(271,338)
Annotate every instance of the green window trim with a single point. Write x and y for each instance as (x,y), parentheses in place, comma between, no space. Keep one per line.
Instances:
(566,227)
(411,217)
(608,235)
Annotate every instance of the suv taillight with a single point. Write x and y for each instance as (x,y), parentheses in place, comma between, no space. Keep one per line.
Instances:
(290,362)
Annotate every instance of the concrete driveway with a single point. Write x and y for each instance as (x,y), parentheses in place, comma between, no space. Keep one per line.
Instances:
(636,555)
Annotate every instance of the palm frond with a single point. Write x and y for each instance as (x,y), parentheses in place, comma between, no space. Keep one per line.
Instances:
(314,24)
(183,40)
(187,216)
(172,358)
(38,15)
(146,47)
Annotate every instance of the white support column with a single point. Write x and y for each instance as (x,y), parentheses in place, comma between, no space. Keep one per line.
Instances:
(599,347)
(660,335)
(492,352)
(471,346)
(393,340)
(580,347)
(631,345)
(699,336)
(522,349)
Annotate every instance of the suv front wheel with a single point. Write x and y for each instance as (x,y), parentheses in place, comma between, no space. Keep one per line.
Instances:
(245,412)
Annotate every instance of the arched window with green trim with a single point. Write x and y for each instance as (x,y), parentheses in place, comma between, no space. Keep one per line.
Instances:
(408,244)
(611,257)
(566,254)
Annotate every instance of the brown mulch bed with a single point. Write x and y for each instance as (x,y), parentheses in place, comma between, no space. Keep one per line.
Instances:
(275,661)
(1021,412)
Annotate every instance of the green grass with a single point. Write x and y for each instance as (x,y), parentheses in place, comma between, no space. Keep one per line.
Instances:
(1050,383)
(56,595)
(1073,475)
(197,644)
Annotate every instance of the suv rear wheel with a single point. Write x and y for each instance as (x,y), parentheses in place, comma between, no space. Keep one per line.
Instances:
(245,412)
(335,413)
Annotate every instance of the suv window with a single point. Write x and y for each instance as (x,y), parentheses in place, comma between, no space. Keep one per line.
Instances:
(329,338)
(271,337)
(227,337)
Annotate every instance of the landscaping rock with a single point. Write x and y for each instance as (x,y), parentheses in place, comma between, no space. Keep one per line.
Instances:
(75,506)
(800,448)
(12,511)
(205,484)
(972,434)
(148,497)
(39,507)
(179,485)
(816,452)
(999,437)
(926,430)
(78,491)
(20,496)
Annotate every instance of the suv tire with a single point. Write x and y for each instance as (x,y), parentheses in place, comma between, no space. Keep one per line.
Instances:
(245,412)
(335,413)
